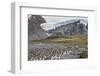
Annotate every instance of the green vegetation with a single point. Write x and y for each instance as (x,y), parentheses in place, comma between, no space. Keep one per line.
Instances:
(84,54)
(79,39)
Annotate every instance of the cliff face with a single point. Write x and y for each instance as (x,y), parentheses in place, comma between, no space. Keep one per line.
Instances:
(35,32)
(72,28)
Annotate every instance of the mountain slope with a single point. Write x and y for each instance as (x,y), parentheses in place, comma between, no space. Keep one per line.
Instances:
(72,27)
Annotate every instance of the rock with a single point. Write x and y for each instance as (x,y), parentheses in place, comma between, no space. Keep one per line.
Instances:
(35,32)
(71,27)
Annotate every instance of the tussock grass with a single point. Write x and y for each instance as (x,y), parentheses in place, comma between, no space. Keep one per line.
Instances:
(80,39)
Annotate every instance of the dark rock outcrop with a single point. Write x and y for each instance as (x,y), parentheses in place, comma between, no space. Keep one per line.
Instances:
(35,32)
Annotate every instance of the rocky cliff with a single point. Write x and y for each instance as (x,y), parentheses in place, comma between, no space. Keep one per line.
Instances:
(72,27)
(35,32)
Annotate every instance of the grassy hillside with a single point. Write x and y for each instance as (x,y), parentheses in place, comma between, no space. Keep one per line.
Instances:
(79,39)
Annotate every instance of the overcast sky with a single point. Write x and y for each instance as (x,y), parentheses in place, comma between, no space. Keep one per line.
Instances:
(51,20)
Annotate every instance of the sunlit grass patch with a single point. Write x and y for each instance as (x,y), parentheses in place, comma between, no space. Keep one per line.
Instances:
(80,39)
